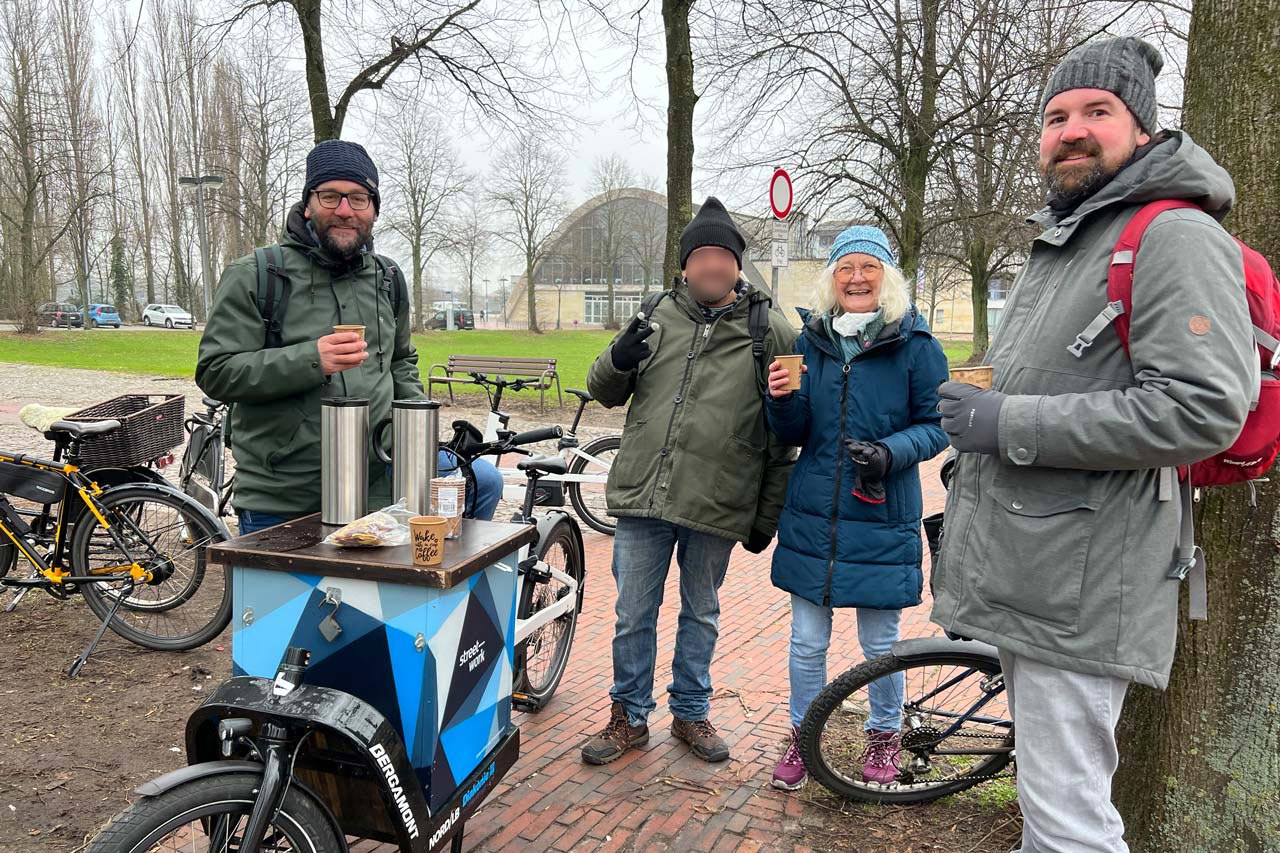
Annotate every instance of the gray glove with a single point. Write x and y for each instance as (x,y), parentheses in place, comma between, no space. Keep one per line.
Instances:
(971,416)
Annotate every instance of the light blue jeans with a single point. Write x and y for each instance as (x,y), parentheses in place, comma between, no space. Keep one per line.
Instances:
(642,549)
(810,637)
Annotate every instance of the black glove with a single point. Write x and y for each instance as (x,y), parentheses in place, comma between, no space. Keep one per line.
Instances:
(630,348)
(758,541)
(871,461)
(971,416)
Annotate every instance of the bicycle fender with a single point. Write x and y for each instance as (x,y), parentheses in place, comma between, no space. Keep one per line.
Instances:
(340,716)
(191,503)
(925,647)
(161,784)
(547,520)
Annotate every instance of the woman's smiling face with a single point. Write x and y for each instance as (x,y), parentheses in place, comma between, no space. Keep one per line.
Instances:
(856,280)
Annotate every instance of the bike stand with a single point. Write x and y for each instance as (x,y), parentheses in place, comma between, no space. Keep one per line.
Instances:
(79,662)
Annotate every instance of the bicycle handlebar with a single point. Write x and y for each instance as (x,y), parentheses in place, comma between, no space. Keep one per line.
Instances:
(534,436)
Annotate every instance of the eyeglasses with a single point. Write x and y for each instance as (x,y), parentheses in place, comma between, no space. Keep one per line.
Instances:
(868,270)
(330,199)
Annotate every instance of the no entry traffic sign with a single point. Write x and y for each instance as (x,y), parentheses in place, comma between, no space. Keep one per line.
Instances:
(780,195)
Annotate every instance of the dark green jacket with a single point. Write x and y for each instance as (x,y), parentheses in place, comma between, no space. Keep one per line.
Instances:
(695,449)
(275,434)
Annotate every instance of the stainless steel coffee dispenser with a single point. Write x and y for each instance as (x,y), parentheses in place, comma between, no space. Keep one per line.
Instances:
(344,459)
(414,444)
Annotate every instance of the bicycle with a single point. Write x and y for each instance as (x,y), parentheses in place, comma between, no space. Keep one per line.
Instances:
(587,464)
(549,586)
(135,552)
(204,465)
(954,735)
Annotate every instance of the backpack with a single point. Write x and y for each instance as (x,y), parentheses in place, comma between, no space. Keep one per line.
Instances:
(757,326)
(1256,448)
(273,290)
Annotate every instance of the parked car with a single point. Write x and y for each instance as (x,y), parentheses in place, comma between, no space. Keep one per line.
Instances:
(99,314)
(55,314)
(462,319)
(169,316)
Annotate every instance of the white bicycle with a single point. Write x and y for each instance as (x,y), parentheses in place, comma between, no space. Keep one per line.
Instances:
(586,465)
(551,570)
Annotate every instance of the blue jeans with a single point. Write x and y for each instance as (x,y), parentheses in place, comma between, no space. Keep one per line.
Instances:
(488,493)
(810,637)
(642,549)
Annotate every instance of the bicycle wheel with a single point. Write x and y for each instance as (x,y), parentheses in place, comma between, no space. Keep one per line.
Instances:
(588,498)
(210,814)
(542,657)
(956,728)
(188,602)
(8,558)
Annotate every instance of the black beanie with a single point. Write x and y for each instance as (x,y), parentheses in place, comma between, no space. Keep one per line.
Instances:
(712,227)
(336,160)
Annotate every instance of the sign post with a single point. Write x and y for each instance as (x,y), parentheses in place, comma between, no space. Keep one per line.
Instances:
(780,201)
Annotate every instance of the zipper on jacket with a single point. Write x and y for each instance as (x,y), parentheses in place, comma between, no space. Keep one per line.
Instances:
(694,352)
(835,500)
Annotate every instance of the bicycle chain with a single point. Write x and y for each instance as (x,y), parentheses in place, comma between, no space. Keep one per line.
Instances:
(1007,773)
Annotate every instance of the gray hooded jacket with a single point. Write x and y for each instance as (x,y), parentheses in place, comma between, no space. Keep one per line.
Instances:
(1060,547)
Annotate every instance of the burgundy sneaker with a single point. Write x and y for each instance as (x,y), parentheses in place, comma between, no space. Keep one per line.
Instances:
(880,758)
(790,774)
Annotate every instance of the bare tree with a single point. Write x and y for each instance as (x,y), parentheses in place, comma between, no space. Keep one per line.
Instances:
(682,99)
(646,235)
(610,178)
(126,64)
(424,172)
(471,241)
(528,187)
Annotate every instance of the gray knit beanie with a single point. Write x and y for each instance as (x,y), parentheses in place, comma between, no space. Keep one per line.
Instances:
(1126,67)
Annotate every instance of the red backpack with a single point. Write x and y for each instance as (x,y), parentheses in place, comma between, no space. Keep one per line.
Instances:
(1259,442)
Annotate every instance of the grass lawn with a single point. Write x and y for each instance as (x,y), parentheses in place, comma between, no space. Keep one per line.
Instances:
(173,353)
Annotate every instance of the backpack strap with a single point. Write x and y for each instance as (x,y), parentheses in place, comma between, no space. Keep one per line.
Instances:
(273,287)
(393,278)
(650,302)
(758,325)
(1191,561)
(1120,277)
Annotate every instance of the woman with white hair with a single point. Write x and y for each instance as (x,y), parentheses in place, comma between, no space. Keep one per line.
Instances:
(865,417)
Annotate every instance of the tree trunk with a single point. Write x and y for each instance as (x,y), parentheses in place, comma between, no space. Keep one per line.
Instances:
(322,121)
(419,306)
(681,100)
(531,292)
(1200,761)
(980,280)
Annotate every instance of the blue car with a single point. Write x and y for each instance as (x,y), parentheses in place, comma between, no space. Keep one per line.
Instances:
(98,314)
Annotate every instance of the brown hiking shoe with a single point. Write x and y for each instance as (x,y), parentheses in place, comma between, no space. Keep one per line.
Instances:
(617,737)
(702,739)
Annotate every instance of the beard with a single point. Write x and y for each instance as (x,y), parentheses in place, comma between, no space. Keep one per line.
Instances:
(343,245)
(1071,183)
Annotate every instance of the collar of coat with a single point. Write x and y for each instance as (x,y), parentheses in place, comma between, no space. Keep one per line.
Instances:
(740,308)
(893,333)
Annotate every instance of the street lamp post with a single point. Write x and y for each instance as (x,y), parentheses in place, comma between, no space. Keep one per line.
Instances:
(200,183)
(486,300)
(503,280)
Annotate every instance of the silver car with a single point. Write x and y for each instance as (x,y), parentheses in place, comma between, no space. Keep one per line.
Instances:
(169,316)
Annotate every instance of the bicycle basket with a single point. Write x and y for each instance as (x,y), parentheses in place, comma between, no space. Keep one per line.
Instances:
(150,426)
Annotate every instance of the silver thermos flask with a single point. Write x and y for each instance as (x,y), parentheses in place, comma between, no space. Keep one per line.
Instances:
(414,443)
(344,459)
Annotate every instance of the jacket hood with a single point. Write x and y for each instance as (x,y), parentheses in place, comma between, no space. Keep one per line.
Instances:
(298,235)
(1176,168)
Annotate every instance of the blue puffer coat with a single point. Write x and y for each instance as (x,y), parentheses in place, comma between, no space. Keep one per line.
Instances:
(833,548)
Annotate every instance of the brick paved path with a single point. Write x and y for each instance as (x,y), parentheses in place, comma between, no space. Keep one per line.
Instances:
(660,797)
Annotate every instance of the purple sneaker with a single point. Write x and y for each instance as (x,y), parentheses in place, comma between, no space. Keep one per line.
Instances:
(790,774)
(880,758)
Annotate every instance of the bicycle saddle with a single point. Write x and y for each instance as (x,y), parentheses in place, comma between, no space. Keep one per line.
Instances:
(545,464)
(581,395)
(85,430)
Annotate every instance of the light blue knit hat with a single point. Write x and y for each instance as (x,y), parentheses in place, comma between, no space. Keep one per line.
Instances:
(866,239)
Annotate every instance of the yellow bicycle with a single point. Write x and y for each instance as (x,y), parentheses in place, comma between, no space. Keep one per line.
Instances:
(135,552)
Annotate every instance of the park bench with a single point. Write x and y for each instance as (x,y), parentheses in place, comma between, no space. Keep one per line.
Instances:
(542,372)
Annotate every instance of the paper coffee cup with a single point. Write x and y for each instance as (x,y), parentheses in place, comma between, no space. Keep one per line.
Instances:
(359,330)
(426,538)
(792,363)
(449,500)
(979,375)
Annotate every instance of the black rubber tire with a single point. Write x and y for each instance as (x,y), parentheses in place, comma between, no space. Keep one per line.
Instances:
(100,600)
(8,558)
(834,694)
(146,321)
(604,524)
(168,324)
(303,821)
(562,535)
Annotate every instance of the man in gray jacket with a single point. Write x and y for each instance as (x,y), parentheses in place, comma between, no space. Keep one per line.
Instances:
(1063,514)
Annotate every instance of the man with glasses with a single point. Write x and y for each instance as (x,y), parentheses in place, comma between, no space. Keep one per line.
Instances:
(277,363)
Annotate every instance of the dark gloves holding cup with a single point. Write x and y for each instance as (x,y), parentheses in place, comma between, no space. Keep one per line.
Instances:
(630,348)
(971,416)
(871,461)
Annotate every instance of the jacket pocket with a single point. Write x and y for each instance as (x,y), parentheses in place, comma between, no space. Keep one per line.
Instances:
(300,453)
(630,467)
(1034,546)
(738,478)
